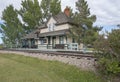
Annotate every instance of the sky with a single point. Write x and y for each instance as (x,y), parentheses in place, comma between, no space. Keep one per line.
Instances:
(107,11)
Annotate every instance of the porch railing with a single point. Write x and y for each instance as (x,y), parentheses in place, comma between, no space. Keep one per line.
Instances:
(71,46)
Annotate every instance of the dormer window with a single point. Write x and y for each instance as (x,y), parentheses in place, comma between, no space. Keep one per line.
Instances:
(51,27)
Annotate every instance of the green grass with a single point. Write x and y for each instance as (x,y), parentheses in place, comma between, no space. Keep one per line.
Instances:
(90,49)
(16,68)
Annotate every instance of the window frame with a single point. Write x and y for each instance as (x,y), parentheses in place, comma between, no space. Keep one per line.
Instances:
(61,39)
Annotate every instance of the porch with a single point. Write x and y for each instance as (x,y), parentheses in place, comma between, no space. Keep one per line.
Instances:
(56,40)
(66,47)
(29,43)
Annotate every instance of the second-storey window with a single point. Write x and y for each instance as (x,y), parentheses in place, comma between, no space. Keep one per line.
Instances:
(51,27)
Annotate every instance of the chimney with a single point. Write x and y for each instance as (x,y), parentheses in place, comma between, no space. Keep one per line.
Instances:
(67,11)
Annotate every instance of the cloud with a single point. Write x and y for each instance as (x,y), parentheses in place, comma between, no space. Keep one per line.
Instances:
(5,3)
(107,11)
(70,3)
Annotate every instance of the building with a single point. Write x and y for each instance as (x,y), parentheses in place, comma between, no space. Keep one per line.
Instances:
(53,34)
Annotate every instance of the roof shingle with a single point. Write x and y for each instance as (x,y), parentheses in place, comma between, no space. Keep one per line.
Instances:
(62,18)
(30,35)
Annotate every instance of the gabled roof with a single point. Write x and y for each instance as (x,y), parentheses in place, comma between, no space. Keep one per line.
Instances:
(31,35)
(42,26)
(62,18)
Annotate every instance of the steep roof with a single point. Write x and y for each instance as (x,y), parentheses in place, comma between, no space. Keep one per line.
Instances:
(62,18)
(31,35)
(42,26)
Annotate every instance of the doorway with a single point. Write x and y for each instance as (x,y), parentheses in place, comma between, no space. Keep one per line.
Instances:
(54,41)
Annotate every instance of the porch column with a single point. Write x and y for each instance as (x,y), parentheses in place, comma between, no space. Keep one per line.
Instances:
(65,39)
(51,40)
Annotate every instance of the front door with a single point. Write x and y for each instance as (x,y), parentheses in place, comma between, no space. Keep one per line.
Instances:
(53,41)
(49,40)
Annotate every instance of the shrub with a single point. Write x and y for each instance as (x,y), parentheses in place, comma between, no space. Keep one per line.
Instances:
(108,53)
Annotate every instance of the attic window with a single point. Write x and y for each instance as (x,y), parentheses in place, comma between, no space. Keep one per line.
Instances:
(51,27)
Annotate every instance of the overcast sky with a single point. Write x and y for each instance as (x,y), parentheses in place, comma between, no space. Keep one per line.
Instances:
(107,11)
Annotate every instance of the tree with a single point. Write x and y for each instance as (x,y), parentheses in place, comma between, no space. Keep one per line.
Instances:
(71,12)
(114,43)
(108,53)
(34,14)
(45,6)
(12,29)
(55,7)
(84,31)
(49,8)
(31,14)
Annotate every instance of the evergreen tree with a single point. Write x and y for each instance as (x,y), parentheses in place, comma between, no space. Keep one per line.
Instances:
(45,6)
(71,12)
(108,53)
(34,14)
(84,31)
(31,14)
(55,7)
(50,7)
(12,29)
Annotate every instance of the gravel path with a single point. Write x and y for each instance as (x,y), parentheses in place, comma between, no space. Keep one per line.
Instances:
(82,63)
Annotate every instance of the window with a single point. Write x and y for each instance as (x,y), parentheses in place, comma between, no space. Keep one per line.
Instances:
(32,42)
(51,27)
(73,40)
(61,40)
(43,40)
(66,39)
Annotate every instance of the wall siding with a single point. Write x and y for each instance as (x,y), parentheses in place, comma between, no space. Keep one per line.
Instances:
(56,28)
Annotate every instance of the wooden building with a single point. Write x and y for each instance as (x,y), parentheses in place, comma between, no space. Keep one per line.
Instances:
(53,34)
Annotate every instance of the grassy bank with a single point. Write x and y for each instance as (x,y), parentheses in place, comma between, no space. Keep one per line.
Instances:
(15,68)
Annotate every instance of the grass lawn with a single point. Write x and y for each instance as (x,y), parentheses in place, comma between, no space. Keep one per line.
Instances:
(16,68)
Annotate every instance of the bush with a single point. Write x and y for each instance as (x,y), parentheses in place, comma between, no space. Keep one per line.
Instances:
(108,53)
(108,66)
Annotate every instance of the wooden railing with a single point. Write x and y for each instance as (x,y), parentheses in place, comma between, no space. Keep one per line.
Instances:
(71,46)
